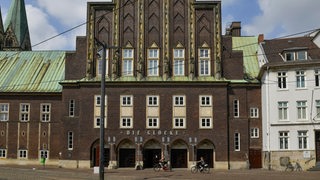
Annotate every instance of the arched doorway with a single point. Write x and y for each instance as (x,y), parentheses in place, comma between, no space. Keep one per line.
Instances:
(127,154)
(151,153)
(206,149)
(95,154)
(179,154)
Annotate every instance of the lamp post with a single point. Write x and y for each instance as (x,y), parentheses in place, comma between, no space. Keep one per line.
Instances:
(193,143)
(111,142)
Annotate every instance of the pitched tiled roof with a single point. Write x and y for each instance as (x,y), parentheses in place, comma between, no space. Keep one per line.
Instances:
(32,71)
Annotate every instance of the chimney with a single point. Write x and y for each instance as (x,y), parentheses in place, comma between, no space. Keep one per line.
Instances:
(260,38)
(234,29)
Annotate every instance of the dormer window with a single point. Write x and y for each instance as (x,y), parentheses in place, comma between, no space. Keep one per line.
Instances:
(295,55)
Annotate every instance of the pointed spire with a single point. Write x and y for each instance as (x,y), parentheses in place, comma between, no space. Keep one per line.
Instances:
(1,31)
(16,28)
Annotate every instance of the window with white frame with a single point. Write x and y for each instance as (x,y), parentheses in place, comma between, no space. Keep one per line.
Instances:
(153,100)
(97,100)
(152,122)
(254,132)
(24,112)
(126,122)
(205,100)
(97,122)
(4,112)
(178,100)
(126,101)
(22,154)
(303,139)
(205,122)
(283,110)
(282,80)
(204,62)
(237,141)
(302,110)
(301,55)
(70,140)
(3,153)
(44,154)
(99,64)
(72,104)
(318,109)
(284,140)
(45,112)
(178,62)
(254,113)
(300,77)
(317,77)
(127,63)
(179,123)
(153,62)
(235,108)
(296,55)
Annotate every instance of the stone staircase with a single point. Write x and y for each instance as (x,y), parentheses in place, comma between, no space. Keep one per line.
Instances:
(315,168)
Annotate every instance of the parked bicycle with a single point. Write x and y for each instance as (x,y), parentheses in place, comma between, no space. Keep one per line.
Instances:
(203,168)
(158,166)
(291,167)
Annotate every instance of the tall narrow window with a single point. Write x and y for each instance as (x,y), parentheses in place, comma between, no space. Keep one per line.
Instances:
(283,110)
(237,141)
(127,64)
(284,140)
(316,77)
(153,62)
(4,112)
(70,140)
(178,62)
(204,62)
(236,108)
(99,63)
(303,139)
(45,112)
(282,80)
(24,112)
(302,110)
(71,107)
(300,76)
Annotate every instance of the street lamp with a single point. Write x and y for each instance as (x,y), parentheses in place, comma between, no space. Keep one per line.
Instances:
(111,142)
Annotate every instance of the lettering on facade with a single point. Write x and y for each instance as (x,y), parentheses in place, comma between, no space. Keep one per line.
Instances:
(153,132)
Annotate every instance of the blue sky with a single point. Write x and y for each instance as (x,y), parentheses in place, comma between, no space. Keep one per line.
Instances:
(273,18)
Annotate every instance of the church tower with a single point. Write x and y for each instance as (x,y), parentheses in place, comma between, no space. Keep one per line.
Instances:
(16,30)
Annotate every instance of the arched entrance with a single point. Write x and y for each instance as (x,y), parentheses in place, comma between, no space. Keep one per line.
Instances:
(127,154)
(206,149)
(179,154)
(151,153)
(95,154)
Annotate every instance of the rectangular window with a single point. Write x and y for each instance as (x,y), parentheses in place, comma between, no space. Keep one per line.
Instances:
(254,113)
(153,62)
(316,77)
(303,139)
(99,64)
(254,132)
(4,112)
(205,100)
(70,140)
(126,122)
(302,110)
(97,100)
(22,154)
(204,62)
(179,123)
(126,100)
(302,55)
(289,56)
(24,112)
(153,100)
(178,62)
(45,110)
(152,122)
(178,100)
(284,140)
(44,153)
(318,109)
(237,141)
(282,80)
(283,110)
(127,64)
(205,123)
(300,76)
(72,104)
(3,153)
(236,108)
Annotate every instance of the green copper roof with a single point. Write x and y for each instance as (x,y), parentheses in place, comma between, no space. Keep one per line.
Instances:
(31,71)
(17,18)
(249,46)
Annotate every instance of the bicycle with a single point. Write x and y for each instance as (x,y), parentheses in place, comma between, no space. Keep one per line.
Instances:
(296,167)
(203,169)
(158,166)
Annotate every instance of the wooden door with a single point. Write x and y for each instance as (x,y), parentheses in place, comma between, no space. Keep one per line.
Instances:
(255,159)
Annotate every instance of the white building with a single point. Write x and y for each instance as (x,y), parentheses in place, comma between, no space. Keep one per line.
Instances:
(290,77)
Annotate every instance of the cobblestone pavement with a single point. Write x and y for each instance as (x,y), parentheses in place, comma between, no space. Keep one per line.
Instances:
(53,173)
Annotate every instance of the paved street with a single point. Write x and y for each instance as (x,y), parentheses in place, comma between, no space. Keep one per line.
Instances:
(53,173)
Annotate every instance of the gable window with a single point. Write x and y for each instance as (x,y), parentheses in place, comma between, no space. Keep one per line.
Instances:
(237,141)
(127,64)
(284,140)
(99,64)
(178,62)
(45,112)
(295,55)
(153,62)
(301,55)
(302,110)
(24,112)
(178,100)
(4,112)
(303,139)
(300,76)
(204,62)
(254,112)
(236,108)
(316,77)
(282,80)
(71,107)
